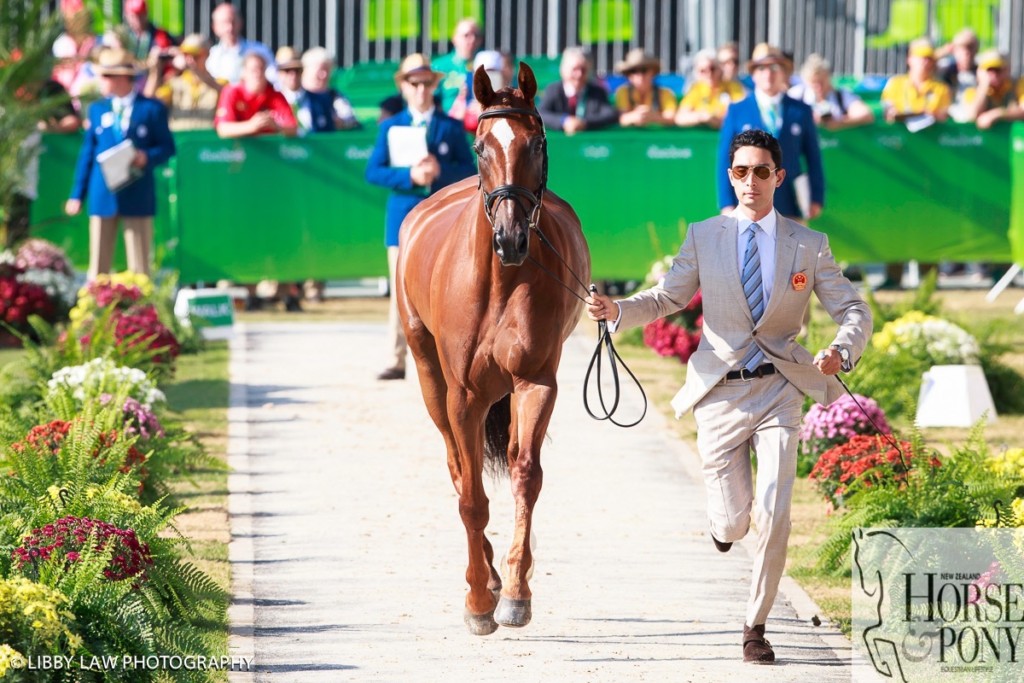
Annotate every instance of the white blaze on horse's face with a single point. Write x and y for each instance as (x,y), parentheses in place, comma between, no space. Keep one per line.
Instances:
(504,134)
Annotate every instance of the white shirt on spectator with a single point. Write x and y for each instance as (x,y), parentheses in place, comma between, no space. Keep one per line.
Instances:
(832,106)
(225,63)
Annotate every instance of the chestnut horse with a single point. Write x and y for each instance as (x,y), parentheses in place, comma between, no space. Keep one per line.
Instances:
(482,294)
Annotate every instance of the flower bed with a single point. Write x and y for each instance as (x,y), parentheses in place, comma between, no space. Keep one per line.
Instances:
(824,427)
(862,462)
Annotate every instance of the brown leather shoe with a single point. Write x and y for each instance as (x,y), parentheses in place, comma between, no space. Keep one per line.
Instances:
(392,373)
(722,546)
(756,650)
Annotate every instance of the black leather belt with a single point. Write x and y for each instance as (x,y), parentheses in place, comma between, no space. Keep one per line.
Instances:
(759,371)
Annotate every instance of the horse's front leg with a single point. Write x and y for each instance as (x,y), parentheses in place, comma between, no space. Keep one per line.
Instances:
(532,407)
(466,416)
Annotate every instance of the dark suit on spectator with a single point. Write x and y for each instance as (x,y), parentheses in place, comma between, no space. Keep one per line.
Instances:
(593,107)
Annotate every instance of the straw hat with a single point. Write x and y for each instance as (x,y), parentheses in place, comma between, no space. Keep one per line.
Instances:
(416,63)
(116,62)
(288,57)
(921,47)
(194,44)
(766,53)
(638,60)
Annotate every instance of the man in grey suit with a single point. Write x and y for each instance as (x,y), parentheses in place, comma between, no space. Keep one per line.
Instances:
(746,381)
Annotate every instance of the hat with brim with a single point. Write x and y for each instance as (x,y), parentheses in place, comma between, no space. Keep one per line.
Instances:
(922,47)
(116,62)
(638,60)
(287,58)
(416,64)
(194,44)
(990,60)
(765,53)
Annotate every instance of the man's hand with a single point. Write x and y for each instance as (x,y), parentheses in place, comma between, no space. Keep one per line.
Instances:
(425,171)
(72,207)
(573,124)
(140,159)
(600,307)
(828,362)
(261,121)
(813,211)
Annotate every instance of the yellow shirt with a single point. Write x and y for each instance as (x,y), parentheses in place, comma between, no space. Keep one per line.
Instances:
(904,98)
(191,102)
(626,99)
(1000,97)
(702,97)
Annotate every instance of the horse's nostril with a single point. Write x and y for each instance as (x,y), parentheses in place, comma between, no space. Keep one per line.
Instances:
(521,243)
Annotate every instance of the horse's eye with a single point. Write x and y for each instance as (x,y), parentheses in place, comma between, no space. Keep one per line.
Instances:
(478,147)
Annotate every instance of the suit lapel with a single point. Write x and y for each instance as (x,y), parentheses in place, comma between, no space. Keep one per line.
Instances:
(732,267)
(785,253)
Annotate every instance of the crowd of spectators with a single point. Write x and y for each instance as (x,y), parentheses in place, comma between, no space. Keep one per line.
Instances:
(238,87)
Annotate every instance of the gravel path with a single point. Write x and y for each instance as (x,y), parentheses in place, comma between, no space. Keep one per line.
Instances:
(348,555)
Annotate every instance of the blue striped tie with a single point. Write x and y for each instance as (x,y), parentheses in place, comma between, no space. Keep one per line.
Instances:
(754,292)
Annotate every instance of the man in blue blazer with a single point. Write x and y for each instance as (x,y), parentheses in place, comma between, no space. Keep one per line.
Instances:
(790,121)
(121,115)
(448,160)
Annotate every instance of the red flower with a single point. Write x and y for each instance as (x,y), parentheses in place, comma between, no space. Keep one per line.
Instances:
(70,535)
(864,460)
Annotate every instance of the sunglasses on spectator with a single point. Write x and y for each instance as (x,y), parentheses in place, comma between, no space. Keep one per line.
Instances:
(761,171)
(424,84)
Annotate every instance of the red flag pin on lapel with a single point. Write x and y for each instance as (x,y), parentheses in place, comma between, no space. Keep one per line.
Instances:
(799,282)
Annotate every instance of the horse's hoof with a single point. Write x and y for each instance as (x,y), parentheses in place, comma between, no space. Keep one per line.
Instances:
(514,613)
(481,624)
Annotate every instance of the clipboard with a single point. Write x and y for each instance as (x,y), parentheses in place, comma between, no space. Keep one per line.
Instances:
(116,165)
(407,145)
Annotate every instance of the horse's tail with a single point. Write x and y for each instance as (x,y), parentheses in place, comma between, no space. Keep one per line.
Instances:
(499,419)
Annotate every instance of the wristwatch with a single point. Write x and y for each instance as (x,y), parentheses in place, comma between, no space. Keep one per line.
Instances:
(844,356)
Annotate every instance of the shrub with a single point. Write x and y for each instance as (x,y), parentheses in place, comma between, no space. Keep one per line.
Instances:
(862,462)
(34,620)
(824,427)
(678,334)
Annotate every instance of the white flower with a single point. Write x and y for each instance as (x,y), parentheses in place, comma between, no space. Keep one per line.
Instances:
(104,376)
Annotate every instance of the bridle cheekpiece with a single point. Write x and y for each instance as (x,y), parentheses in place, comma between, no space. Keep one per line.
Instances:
(517,193)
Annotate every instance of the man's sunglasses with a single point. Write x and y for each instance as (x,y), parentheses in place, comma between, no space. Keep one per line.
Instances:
(762,171)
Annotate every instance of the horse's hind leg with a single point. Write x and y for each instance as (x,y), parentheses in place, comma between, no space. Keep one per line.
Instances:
(532,407)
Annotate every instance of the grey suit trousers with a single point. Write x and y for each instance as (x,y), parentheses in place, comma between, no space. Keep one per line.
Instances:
(735,418)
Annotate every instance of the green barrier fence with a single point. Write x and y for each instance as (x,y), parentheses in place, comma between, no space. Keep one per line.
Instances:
(295,208)
(1017,204)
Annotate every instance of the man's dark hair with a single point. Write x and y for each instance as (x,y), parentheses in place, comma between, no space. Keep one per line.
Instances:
(757,138)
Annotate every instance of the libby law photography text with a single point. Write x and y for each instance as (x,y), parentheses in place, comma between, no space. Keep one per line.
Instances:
(947,602)
(132,662)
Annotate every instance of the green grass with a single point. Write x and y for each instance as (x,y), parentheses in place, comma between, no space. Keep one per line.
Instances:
(10,355)
(199,396)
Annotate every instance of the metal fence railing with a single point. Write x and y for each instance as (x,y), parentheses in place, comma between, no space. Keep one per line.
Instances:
(857,36)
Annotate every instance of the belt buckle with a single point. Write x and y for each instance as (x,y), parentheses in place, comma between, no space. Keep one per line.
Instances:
(748,375)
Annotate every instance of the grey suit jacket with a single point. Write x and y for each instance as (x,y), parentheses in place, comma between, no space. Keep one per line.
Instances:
(708,260)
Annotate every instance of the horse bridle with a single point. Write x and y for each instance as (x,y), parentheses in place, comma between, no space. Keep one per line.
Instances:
(518,193)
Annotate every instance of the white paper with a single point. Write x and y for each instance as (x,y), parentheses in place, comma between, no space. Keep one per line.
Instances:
(919,122)
(116,165)
(407,145)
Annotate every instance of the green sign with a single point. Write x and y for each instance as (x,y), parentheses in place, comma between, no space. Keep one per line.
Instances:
(291,209)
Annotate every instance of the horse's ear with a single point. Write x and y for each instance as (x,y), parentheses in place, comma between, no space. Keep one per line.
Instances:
(482,88)
(527,81)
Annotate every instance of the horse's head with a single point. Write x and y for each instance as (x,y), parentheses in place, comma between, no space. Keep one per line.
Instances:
(513,155)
